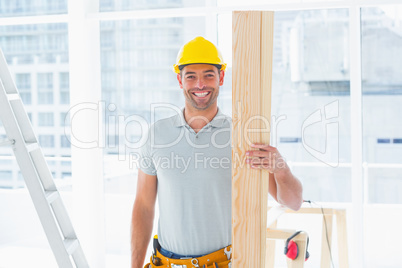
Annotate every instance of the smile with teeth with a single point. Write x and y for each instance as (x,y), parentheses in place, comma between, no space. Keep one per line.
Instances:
(201,94)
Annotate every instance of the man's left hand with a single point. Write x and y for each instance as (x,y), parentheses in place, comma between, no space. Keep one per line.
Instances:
(266,157)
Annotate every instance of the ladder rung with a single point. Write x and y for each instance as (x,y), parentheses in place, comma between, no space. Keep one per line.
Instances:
(71,245)
(7,142)
(51,196)
(32,146)
(13,96)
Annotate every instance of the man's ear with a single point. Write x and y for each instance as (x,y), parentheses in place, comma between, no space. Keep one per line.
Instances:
(221,77)
(179,79)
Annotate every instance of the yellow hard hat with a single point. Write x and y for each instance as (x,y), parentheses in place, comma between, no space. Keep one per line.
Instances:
(199,50)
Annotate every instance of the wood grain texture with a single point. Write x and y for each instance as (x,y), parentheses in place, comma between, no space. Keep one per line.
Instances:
(342,238)
(326,245)
(267,40)
(325,211)
(282,234)
(270,250)
(251,87)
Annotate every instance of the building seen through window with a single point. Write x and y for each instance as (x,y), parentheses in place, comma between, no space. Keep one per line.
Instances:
(311,68)
(311,79)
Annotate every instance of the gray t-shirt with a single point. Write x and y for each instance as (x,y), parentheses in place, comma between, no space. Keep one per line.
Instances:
(194,183)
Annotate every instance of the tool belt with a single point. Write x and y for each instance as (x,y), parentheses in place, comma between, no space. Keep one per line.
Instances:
(217,259)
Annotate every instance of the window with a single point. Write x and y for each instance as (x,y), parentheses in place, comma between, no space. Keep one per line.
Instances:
(382,96)
(46,141)
(64,88)
(65,175)
(45,88)
(289,139)
(65,141)
(36,54)
(64,119)
(45,119)
(5,175)
(310,77)
(23,83)
(381,56)
(66,163)
(29,8)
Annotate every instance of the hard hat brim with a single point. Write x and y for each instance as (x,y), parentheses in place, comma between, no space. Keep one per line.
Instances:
(177,68)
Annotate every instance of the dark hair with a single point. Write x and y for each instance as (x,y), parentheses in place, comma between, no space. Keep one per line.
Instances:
(216,65)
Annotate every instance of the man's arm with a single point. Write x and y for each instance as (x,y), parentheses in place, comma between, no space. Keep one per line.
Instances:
(283,185)
(142,217)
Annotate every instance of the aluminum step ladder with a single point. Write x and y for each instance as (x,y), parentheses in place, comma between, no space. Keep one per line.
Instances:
(38,178)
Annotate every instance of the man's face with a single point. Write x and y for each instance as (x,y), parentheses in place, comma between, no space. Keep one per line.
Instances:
(200,84)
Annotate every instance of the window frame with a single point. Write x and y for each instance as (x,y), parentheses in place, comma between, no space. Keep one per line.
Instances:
(87,11)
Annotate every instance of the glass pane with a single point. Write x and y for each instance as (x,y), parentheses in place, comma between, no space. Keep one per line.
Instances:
(65,141)
(49,44)
(124,5)
(382,96)
(64,88)
(45,119)
(23,83)
(64,119)
(6,175)
(382,133)
(310,97)
(32,7)
(37,54)
(46,141)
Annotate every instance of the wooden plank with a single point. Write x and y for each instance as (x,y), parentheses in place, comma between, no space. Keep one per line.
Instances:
(270,252)
(280,234)
(327,211)
(326,245)
(267,38)
(251,86)
(342,238)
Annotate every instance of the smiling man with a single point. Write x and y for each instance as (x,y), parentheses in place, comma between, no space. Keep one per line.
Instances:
(194,228)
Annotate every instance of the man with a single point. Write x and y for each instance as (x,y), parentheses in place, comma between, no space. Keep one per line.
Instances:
(194,194)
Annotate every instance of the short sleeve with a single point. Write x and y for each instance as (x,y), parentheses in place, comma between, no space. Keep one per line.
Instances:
(146,162)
